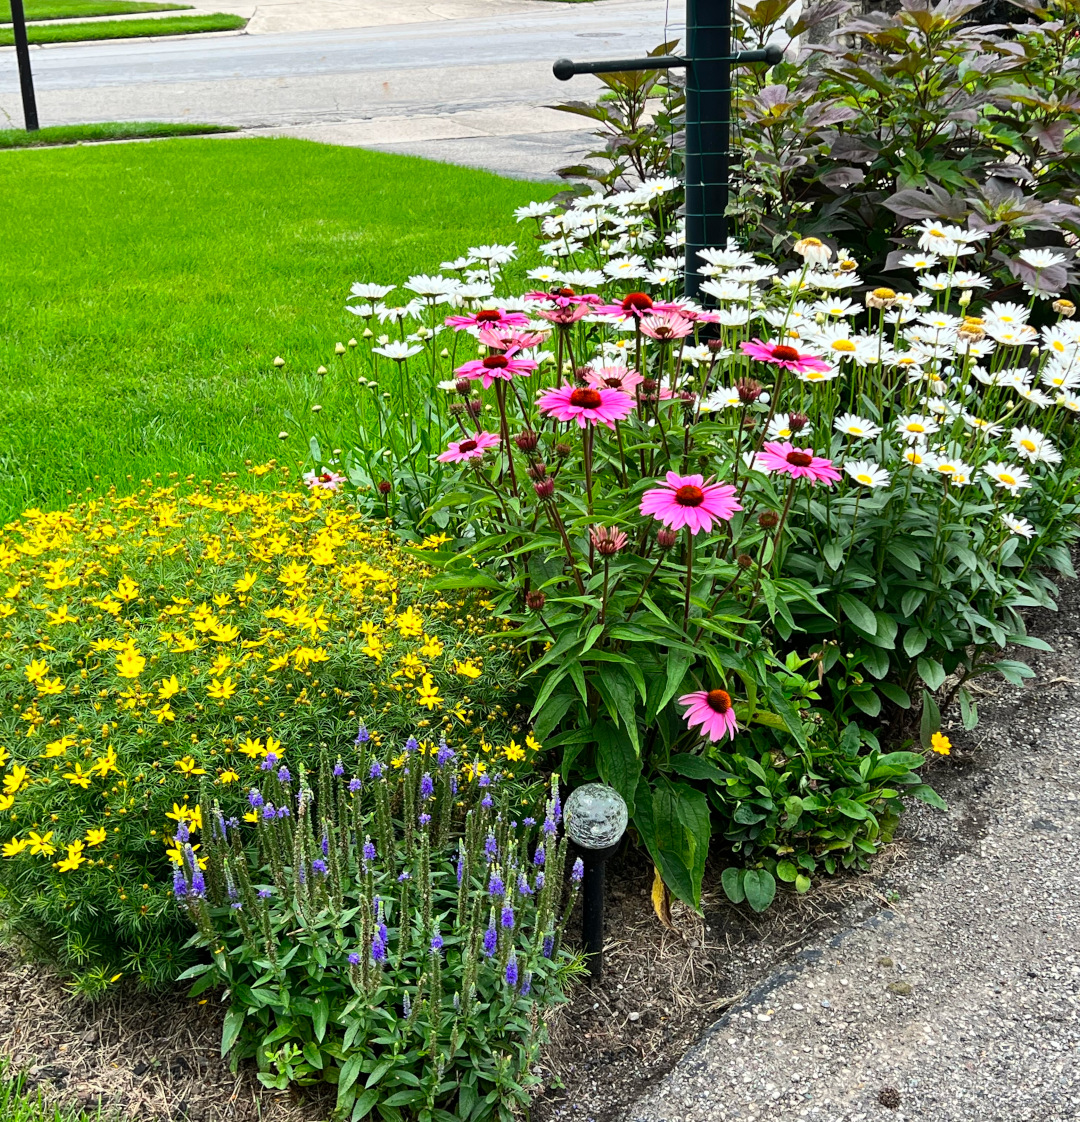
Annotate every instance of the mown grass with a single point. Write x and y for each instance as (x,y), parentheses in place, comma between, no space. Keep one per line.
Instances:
(145,290)
(107,130)
(81,9)
(125,29)
(17,1104)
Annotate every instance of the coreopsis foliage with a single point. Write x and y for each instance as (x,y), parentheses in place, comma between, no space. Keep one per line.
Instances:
(165,643)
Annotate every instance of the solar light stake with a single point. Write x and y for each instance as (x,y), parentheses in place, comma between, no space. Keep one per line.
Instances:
(595,822)
(22,57)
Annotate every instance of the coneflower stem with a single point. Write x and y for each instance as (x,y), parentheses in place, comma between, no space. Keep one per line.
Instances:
(689,576)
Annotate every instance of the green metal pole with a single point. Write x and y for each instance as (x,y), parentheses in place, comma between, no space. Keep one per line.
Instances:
(22,56)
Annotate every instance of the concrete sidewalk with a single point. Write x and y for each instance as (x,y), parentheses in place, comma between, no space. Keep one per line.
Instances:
(960,1002)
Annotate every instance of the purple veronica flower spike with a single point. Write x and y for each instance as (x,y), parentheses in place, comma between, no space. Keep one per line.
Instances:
(526,984)
(549,946)
(539,857)
(427,787)
(319,866)
(523,885)
(179,881)
(491,939)
(436,942)
(283,775)
(369,850)
(507,918)
(339,770)
(354,959)
(485,780)
(378,949)
(460,867)
(411,744)
(424,819)
(512,970)
(491,848)
(354,786)
(283,812)
(529,822)
(404,876)
(495,885)
(486,801)
(578,871)
(540,878)
(325,846)
(362,736)
(269,812)
(444,755)
(376,770)
(265,893)
(255,798)
(182,831)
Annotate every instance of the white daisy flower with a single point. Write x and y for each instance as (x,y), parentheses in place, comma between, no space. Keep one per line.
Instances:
(951,467)
(836,307)
(1019,526)
(977,424)
(371,291)
(1032,445)
(583,278)
(1034,396)
(397,350)
(918,261)
(1060,376)
(780,428)
(727,258)
(631,268)
(1006,312)
(661,276)
(815,376)
(867,473)
(1018,335)
(1042,258)
(545,275)
(1070,402)
(733,317)
(1008,476)
(534,210)
(493,254)
(721,399)
(852,425)
(963,279)
(411,310)
(915,426)
(916,454)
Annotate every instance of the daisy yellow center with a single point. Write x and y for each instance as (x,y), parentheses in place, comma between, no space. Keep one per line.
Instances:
(1007,479)
(1029,445)
(785,354)
(947,469)
(689,495)
(467,446)
(916,426)
(800,459)
(884,294)
(719,701)
(488,316)
(843,345)
(496,362)
(639,300)
(863,477)
(586,398)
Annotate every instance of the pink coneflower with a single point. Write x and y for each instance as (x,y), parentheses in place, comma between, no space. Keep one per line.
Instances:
(614,378)
(488,317)
(712,710)
(636,305)
(503,366)
(564,315)
(503,338)
(607,541)
(787,358)
(323,480)
(687,500)
(799,463)
(586,405)
(471,449)
(565,297)
(666,326)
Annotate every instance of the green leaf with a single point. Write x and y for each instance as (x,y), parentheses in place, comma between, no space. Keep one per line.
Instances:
(678,662)
(802,883)
(927,794)
(732,880)
(788,713)
(915,640)
(552,713)
(320,1016)
(696,767)
(904,554)
(895,694)
(896,763)
(866,700)
(760,888)
(364,1103)
(932,673)
(619,765)
(833,552)
(912,599)
(787,871)
(595,632)
(930,722)
(859,614)
(850,808)
(230,1030)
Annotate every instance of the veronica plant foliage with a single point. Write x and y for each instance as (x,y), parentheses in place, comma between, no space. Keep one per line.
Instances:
(394,932)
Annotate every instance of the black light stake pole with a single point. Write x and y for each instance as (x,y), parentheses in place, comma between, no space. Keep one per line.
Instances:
(708,65)
(22,57)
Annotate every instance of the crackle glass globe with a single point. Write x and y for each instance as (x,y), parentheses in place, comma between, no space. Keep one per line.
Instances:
(595,816)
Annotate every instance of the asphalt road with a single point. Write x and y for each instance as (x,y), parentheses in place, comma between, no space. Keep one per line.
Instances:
(287,80)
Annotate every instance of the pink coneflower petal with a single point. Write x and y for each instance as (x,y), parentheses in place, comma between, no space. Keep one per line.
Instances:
(614,378)
(503,367)
(799,463)
(666,326)
(509,339)
(471,448)
(690,501)
(323,480)
(488,317)
(711,710)
(586,405)
(787,358)
(635,305)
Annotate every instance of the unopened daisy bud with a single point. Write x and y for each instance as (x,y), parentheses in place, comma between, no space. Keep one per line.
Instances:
(535,600)
(582,372)
(279,362)
(444,353)
(767,519)
(352,342)
(321,370)
(537,470)
(562,450)
(384,486)
(463,386)
(368,333)
(339,348)
(881,298)
(527,440)
(544,488)
(965,298)
(1064,308)
(798,421)
(666,538)
(813,251)
(283,436)
(316,409)
(748,390)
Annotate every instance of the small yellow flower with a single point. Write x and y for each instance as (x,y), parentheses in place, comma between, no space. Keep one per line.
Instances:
(50,687)
(96,835)
(514,752)
(274,746)
(221,690)
(41,844)
(246,583)
(410,623)
(427,693)
(532,743)
(73,859)
(61,615)
(6,803)
(252,748)
(224,633)
(165,713)
(79,778)
(228,776)
(188,766)
(129,663)
(36,671)
(940,744)
(251,816)
(106,763)
(432,647)
(127,590)
(467,669)
(169,687)
(14,847)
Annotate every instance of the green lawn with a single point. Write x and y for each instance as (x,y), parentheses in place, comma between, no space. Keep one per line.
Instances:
(80,9)
(125,29)
(107,130)
(145,290)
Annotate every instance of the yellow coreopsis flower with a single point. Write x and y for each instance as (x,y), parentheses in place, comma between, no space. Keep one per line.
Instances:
(224,633)
(6,803)
(221,690)
(222,600)
(169,687)
(106,763)
(77,777)
(96,835)
(246,583)
(252,748)
(427,693)
(467,669)
(940,744)
(373,648)
(533,743)
(49,687)
(278,663)
(188,766)
(3,757)
(293,573)
(108,604)
(100,645)
(127,590)
(14,847)
(432,647)
(73,859)
(36,671)
(514,752)
(228,776)
(251,816)
(15,780)
(274,746)
(410,623)
(61,615)
(41,844)
(165,713)
(220,664)
(184,645)
(130,663)
(59,747)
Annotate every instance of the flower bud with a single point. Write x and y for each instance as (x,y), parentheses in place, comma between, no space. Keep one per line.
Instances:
(767,519)
(813,251)
(475,407)
(384,486)
(527,440)
(321,370)
(352,342)
(667,537)
(881,298)
(582,372)
(279,362)
(745,561)
(798,421)
(1064,308)
(648,385)
(339,348)
(283,436)
(537,470)
(748,390)
(457,408)
(714,345)
(562,450)
(463,386)
(544,488)
(535,600)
